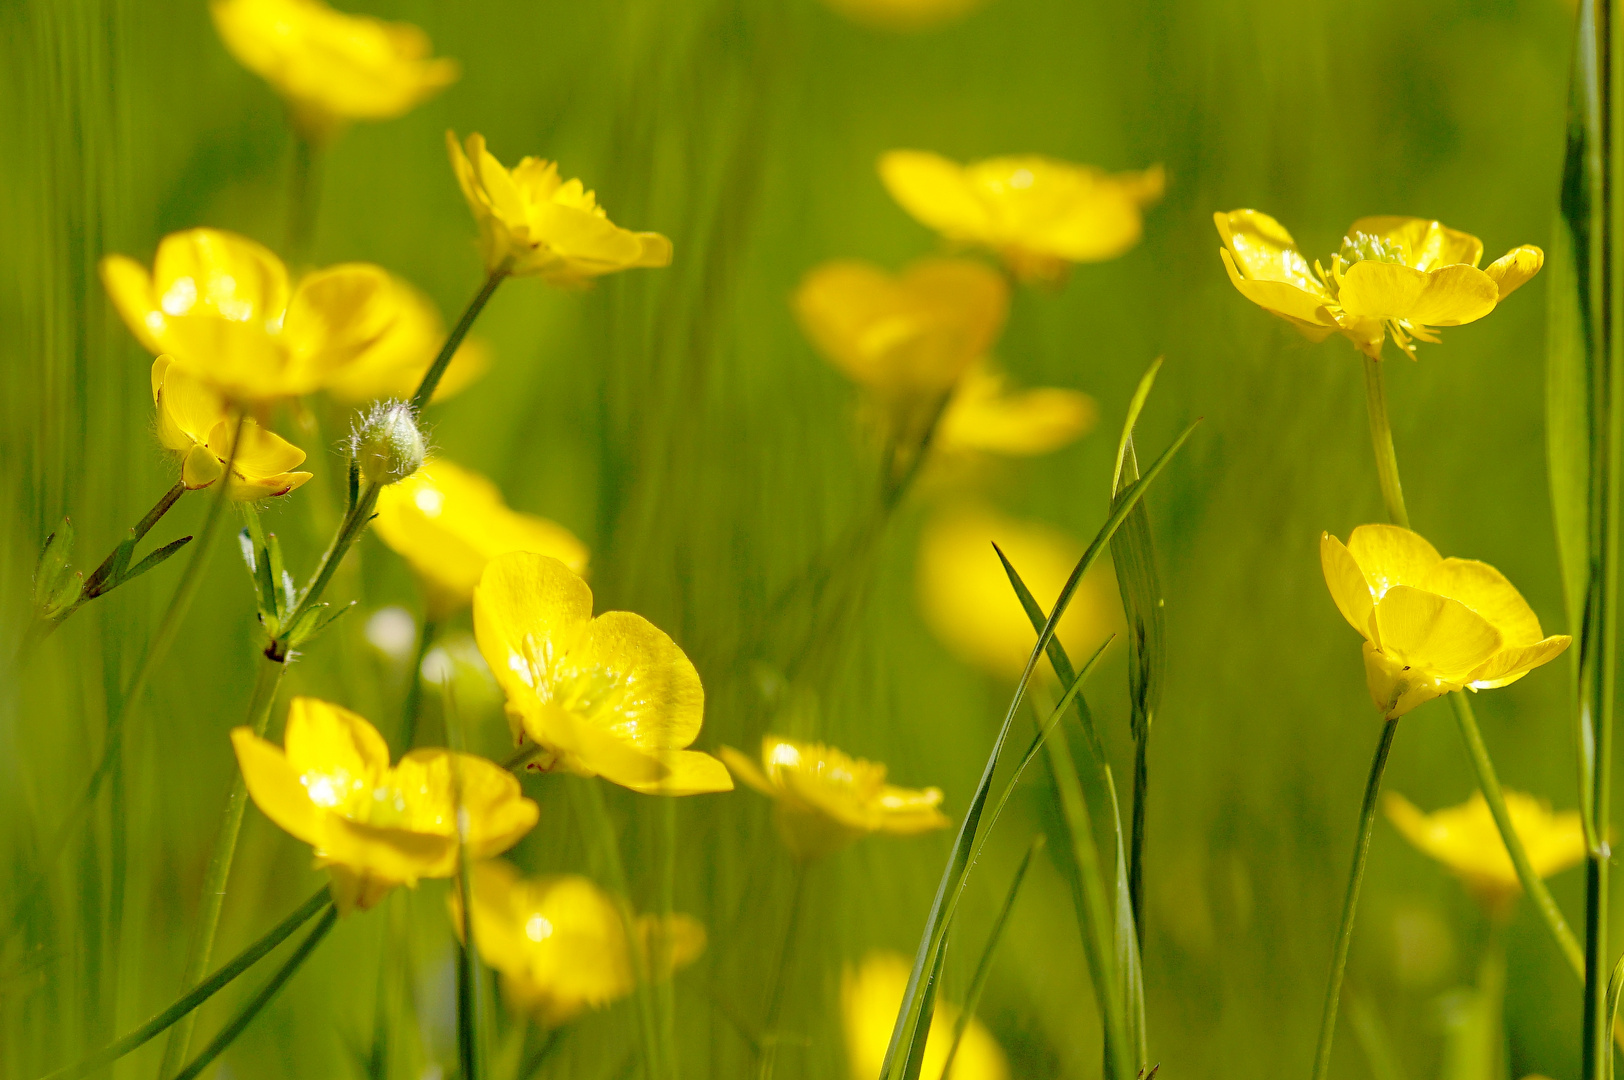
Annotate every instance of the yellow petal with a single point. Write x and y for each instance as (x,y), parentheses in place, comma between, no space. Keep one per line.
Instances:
(1513,269)
(1448,296)
(337,753)
(1303,307)
(259,454)
(1262,250)
(389,855)
(275,786)
(1486,591)
(625,674)
(688,772)
(870,995)
(201,467)
(590,749)
(935,191)
(266,487)
(907,811)
(218,273)
(498,813)
(129,286)
(528,610)
(188,409)
(1427,245)
(1511,664)
(1390,555)
(1441,636)
(983,416)
(744,769)
(337,314)
(1349,588)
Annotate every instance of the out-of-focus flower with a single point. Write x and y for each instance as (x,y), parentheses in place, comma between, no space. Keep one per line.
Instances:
(870,995)
(966,597)
(373,826)
(984,415)
(1466,840)
(533,222)
(560,942)
(1037,213)
(196,422)
(1393,274)
(611,696)
(904,15)
(448,522)
(825,800)
(329,66)
(1431,625)
(394,363)
(219,305)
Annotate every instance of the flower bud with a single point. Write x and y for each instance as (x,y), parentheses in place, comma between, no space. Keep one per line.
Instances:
(387,443)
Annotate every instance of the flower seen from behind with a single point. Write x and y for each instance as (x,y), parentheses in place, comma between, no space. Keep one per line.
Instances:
(197,423)
(531,221)
(375,826)
(1395,275)
(1466,840)
(1038,214)
(825,800)
(985,416)
(332,67)
(560,942)
(1431,625)
(449,522)
(870,995)
(610,696)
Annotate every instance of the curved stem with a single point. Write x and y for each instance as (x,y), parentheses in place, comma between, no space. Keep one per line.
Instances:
(431,378)
(775,997)
(1381,440)
(1350,902)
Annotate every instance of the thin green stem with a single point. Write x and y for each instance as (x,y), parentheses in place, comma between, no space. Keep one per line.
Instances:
(470,1045)
(1532,883)
(1381,440)
(245,1016)
(1350,903)
(198,994)
(304,196)
(431,379)
(412,708)
(1136,834)
(775,995)
(349,531)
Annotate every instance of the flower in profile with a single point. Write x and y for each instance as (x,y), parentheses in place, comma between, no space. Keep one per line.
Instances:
(196,422)
(825,800)
(560,942)
(966,598)
(611,696)
(375,827)
(332,67)
(1395,275)
(985,416)
(394,363)
(1036,213)
(449,522)
(533,222)
(1466,840)
(1431,625)
(870,995)
(903,15)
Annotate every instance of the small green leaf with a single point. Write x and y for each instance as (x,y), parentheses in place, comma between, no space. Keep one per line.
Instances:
(154,559)
(315,620)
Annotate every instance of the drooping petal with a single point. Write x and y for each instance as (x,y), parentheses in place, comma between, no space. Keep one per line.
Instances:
(259,453)
(276,788)
(1510,664)
(188,409)
(1389,555)
(201,467)
(1349,587)
(1486,591)
(1442,636)
(528,610)
(1513,269)
(688,772)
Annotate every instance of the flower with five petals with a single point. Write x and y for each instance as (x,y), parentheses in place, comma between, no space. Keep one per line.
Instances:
(1431,625)
(197,422)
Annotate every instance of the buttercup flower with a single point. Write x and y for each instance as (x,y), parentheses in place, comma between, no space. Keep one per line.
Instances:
(448,522)
(197,422)
(394,363)
(983,415)
(903,15)
(610,696)
(825,800)
(870,996)
(966,599)
(560,942)
(1393,274)
(1431,625)
(331,67)
(1466,840)
(1037,213)
(373,826)
(533,222)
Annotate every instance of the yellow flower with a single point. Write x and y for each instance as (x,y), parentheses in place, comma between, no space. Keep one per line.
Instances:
(610,696)
(560,942)
(903,15)
(966,598)
(448,522)
(395,361)
(219,305)
(1037,213)
(375,827)
(331,67)
(1398,274)
(533,222)
(870,996)
(1431,625)
(198,423)
(1466,840)
(825,800)
(983,415)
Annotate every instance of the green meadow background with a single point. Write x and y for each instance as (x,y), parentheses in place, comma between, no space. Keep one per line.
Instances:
(678,422)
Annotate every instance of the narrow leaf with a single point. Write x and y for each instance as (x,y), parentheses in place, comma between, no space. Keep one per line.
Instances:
(154,559)
(1130,972)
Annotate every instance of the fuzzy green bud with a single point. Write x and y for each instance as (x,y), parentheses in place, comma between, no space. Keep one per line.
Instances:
(387,444)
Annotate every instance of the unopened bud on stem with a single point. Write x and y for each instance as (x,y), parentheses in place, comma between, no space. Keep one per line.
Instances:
(387,443)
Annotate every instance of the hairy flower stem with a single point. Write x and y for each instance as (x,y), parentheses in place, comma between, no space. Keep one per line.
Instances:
(1381,440)
(775,996)
(431,379)
(266,681)
(1350,902)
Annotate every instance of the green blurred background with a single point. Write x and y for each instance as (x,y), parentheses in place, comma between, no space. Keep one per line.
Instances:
(678,422)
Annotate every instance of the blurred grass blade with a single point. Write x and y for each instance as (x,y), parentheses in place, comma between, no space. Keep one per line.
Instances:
(1130,971)
(1615,984)
(1372,1035)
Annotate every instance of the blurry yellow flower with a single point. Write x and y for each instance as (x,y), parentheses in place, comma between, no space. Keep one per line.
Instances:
(198,423)
(394,363)
(966,598)
(903,15)
(560,942)
(375,827)
(983,415)
(533,222)
(825,800)
(331,67)
(1037,213)
(1398,274)
(870,996)
(448,522)
(1431,625)
(1466,840)
(610,696)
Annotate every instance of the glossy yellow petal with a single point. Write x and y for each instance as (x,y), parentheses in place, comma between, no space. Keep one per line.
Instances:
(1442,636)
(337,754)
(870,995)
(627,676)
(1449,296)
(337,314)
(260,453)
(528,611)
(935,191)
(395,360)
(1426,245)
(1486,591)
(277,788)
(1396,686)
(1513,269)
(388,854)
(266,487)
(432,779)
(688,772)
(238,359)
(1262,250)
(1303,308)
(982,415)
(1349,587)
(214,272)
(129,286)
(188,409)
(201,467)
(1512,663)
(1390,555)
(583,746)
